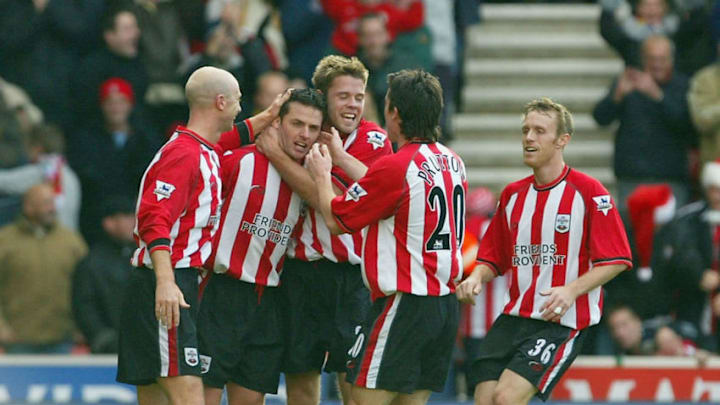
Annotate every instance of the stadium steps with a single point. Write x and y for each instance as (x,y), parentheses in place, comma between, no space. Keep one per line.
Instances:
(524,51)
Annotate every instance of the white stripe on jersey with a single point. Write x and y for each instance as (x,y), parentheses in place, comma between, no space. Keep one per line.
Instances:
(509,210)
(577,225)
(547,238)
(201,216)
(415,234)
(524,235)
(373,370)
(387,247)
(238,202)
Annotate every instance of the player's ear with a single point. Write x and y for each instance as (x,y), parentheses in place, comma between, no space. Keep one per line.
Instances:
(562,140)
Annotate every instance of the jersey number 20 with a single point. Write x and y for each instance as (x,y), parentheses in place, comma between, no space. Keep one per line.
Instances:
(436,200)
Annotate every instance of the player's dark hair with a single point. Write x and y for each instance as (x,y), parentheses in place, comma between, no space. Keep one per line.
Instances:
(47,137)
(417,95)
(109,18)
(309,97)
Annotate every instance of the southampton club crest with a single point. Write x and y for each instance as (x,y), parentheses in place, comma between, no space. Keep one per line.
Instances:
(562,223)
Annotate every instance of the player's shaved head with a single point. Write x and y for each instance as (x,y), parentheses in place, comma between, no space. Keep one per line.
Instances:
(206,83)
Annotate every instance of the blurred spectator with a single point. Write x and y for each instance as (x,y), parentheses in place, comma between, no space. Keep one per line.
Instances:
(46,151)
(625,30)
(650,207)
(39,257)
(269,85)
(632,336)
(164,48)
(297,83)
(467,14)
(98,280)
(687,257)
(402,16)
(40,43)
(655,134)
(246,61)
(380,57)
(306,29)
(110,158)
(17,101)
(440,18)
(252,19)
(117,58)
(704,102)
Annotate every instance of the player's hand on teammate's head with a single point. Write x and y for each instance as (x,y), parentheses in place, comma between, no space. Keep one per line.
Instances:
(280,99)
(333,141)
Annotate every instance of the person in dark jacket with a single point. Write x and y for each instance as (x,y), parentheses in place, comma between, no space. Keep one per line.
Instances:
(110,158)
(117,58)
(98,279)
(686,259)
(40,43)
(655,133)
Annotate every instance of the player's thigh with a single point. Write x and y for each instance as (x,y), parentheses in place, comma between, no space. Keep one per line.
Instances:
(239,395)
(183,390)
(416,398)
(365,396)
(212,395)
(303,388)
(152,394)
(483,394)
(513,389)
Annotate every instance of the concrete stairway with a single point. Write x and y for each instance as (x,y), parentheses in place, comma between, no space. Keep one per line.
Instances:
(525,51)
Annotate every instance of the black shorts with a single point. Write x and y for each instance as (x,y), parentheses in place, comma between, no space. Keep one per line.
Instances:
(539,351)
(240,334)
(406,344)
(324,306)
(147,350)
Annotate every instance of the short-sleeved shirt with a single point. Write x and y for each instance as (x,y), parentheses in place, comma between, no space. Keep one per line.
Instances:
(367,144)
(413,203)
(258,217)
(550,235)
(179,204)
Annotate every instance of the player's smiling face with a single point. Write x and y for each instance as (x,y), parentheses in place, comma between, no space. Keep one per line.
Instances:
(346,100)
(540,141)
(300,129)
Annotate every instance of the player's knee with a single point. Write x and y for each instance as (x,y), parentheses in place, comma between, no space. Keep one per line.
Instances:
(504,396)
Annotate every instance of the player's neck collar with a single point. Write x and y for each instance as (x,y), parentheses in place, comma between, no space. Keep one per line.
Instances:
(558,180)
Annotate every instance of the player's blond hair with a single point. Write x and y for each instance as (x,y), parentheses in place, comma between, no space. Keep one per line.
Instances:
(546,105)
(333,66)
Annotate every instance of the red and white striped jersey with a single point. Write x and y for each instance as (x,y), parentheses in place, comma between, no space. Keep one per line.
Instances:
(367,144)
(179,204)
(259,214)
(414,204)
(476,320)
(550,235)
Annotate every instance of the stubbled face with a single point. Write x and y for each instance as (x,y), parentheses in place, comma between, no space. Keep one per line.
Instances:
(626,328)
(539,139)
(116,109)
(658,60)
(123,40)
(300,129)
(346,100)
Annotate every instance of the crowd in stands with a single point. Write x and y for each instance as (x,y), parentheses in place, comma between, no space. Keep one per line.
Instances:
(89,90)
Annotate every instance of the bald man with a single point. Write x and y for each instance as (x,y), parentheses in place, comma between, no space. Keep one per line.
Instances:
(38,257)
(178,213)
